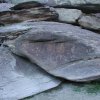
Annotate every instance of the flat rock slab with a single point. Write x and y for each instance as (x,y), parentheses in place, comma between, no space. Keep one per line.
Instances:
(34,14)
(5,6)
(19,78)
(90,22)
(62,50)
(68,15)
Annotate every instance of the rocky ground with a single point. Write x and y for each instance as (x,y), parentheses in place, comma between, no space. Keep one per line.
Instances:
(45,43)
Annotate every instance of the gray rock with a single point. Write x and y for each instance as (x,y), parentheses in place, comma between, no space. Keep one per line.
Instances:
(82,4)
(19,78)
(62,50)
(90,22)
(27,5)
(13,31)
(68,15)
(5,6)
(34,14)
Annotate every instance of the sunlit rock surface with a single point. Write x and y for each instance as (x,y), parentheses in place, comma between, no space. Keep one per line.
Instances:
(68,15)
(19,78)
(62,50)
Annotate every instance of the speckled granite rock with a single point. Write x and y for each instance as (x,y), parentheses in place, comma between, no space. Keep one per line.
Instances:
(19,78)
(62,50)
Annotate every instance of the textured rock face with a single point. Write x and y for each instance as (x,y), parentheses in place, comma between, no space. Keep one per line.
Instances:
(13,31)
(27,5)
(34,14)
(19,78)
(68,15)
(82,4)
(90,22)
(5,6)
(68,51)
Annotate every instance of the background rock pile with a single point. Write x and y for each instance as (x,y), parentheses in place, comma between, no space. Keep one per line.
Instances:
(45,42)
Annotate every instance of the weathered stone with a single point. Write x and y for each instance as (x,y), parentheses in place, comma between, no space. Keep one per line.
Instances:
(5,6)
(13,31)
(19,78)
(27,5)
(90,22)
(68,15)
(91,5)
(62,50)
(34,14)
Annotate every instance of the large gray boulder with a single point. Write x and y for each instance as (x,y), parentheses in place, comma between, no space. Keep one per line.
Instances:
(68,15)
(19,78)
(90,21)
(62,50)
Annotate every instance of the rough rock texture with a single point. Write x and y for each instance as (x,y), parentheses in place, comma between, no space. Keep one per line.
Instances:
(19,78)
(68,15)
(90,22)
(34,14)
(13,31)
(27,5)
(62,50)
(5,6)
(81,4)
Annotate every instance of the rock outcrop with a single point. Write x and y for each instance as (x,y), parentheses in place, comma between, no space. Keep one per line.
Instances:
(62,50)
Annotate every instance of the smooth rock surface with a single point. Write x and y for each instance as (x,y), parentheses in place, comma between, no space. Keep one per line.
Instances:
(90,22)
(34,14)
(19,78)
(68,15)
(5,6)
(62,50)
